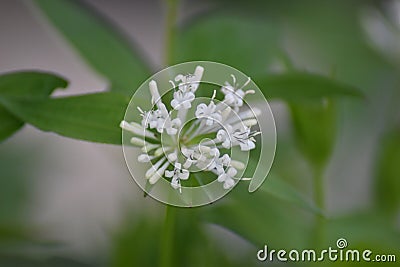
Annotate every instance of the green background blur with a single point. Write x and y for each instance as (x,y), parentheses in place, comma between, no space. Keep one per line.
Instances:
(67,202)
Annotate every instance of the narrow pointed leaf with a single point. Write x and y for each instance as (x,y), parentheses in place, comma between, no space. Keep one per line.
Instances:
(298,86)
(98,43)
(27,84)
(30,84)
(387,189)
(283,191)
(92,117)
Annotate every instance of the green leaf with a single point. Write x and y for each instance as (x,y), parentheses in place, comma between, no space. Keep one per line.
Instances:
(19,260)
(368,230)
(30,83)
(98,43)
(9,124)
(246,43)
(284,191)
(260,218)
(92,117)
(315,130)
(279,188)
(298,87)
(24,83)
(388,174)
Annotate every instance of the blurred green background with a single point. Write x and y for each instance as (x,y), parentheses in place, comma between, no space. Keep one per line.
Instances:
(331,70)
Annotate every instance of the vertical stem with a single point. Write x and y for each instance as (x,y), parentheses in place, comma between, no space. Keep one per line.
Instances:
(167,235)
(319,195)
(167,238)
(170,30)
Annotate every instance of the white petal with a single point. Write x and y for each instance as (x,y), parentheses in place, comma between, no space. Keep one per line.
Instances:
(229,183)
(178,165)
(175,104)
(154,92)
(171,131)
(138,141)
(154,168)
(200,110)
(187,163)
(172,156)
(186,104)
(144,158)
(169,173)
(184,175)
(175,183)
(231,172)
(238,164)
(221,135)
(222,177)
(153,179)
(226,143)
(225,159)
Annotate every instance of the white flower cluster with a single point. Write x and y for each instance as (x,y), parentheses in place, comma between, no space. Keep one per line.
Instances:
(173,157)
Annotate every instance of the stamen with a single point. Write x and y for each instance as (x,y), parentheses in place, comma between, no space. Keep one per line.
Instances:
(249,92)
(173,84)
(246,83)
(234,80)
(214,94)
(140,110)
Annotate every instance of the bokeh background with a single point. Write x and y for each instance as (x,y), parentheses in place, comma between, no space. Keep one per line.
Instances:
(66,202)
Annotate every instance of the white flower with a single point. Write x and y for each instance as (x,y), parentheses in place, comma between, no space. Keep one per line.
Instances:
(244,138)
(240,136)
(224,137)
(227,178)
(177,174)
(184,148)
(220,162)
(172,126)
(190,82)
(209,113)
(234,94)
(182,100)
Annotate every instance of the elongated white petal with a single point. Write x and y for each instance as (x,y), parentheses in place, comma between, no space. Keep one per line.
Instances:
(153,179)
(237,164)
(198,74)
(172,156)
(149,147)
(136,128)
(229,183)
(250,122)
(155,95)
(154,168)
(138,141)
(144,158)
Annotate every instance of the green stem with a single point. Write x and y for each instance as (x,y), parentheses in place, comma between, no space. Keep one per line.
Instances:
(319,196)
(167,235)
(167,238)
(170,30)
